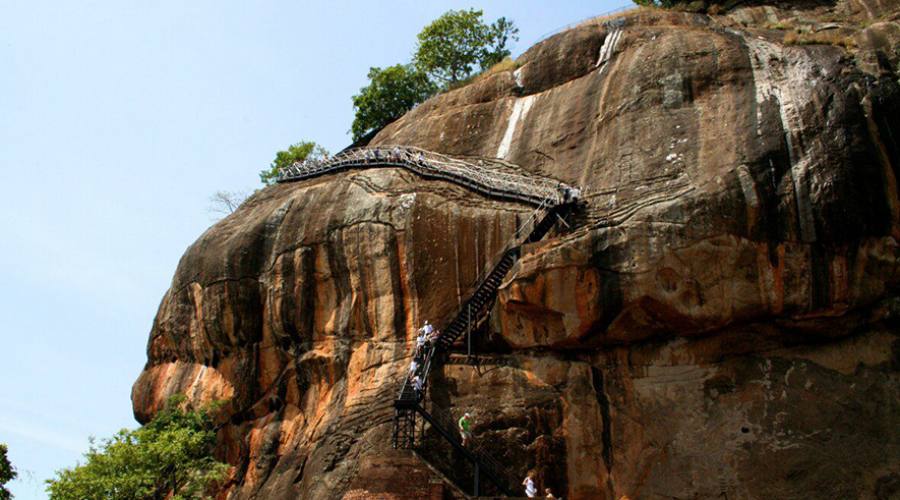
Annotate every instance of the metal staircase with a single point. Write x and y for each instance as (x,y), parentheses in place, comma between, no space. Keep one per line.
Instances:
(474,311)
(483,463)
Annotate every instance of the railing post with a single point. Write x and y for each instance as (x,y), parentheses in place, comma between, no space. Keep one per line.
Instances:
(477,487)
(469,331)
(396,435)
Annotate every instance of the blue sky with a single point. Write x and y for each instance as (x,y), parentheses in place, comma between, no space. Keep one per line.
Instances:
(118,120)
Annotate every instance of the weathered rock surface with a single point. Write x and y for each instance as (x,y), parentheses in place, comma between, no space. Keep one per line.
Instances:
(722,319)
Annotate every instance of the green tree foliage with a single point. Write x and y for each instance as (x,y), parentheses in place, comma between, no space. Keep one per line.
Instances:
(7,473)
(171,454)
(501,32)
(303,150)
(452,45)
(391,92)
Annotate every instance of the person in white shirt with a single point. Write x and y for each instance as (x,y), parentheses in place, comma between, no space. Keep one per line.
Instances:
(420,344)
(413,366)
(425,336)
(528,483)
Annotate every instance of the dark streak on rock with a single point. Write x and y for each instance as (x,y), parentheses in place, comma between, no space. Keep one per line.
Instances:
(394,257)
(603,402)
(611,295)
(819,268)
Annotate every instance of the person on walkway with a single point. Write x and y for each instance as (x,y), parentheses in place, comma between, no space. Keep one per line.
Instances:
(528,483)
(548,493)
(418,386)
(413,366)
(465,426)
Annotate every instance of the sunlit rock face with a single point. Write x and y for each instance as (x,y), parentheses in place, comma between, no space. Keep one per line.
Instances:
(720,320)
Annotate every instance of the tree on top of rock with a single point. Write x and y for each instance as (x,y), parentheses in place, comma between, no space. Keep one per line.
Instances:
(449,50)
(7,473)
(454,44)
(391,92)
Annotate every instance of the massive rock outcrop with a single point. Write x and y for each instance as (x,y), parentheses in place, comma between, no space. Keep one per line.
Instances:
(719,322)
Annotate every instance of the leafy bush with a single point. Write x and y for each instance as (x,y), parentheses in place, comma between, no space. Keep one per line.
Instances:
(171,455)
(303,150)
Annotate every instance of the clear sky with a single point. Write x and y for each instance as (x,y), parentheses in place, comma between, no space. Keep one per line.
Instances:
(118,120)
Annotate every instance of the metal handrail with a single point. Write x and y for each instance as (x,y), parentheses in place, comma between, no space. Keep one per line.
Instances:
(514,241)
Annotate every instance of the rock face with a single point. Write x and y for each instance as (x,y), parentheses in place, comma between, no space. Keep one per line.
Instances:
(721,321)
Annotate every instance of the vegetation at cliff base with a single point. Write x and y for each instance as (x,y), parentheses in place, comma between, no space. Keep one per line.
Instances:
(171,455)
(391,92)
(303,150)
(7,473)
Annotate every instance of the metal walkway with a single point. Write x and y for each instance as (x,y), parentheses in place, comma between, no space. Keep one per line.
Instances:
(490,177)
